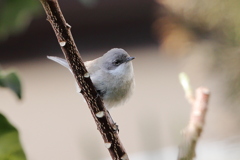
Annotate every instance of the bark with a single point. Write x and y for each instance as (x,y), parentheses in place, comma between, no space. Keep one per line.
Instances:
(103,120)
(194,129)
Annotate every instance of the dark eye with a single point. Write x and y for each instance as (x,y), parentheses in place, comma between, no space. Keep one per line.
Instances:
(117,62)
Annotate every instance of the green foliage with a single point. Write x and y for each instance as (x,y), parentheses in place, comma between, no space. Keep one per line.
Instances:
(10,146)
(15,15)
(10,80)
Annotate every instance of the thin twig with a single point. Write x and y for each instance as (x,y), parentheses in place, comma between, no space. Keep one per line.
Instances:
(103,120)
(194,129)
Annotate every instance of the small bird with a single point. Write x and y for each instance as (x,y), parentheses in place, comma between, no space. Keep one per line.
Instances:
(112,75)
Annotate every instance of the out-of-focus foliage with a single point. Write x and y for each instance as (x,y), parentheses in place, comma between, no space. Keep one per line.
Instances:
(207,31)
(218,16)
(10,146)
(16,15)
(191,20)
(9,79)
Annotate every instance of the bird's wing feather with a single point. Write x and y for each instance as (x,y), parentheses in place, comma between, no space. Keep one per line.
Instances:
(92,66)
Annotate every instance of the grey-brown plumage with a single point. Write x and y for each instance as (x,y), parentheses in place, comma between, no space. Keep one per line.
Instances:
(112,75)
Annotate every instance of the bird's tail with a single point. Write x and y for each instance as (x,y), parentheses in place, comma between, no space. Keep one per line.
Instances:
(61,61)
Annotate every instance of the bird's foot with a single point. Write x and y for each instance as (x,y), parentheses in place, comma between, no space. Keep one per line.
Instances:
(115,127)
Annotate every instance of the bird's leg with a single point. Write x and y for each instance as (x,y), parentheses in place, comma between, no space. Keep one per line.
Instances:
(113,124)
(98,94)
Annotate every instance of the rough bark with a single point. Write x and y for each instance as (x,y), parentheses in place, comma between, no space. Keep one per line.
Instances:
(103,120)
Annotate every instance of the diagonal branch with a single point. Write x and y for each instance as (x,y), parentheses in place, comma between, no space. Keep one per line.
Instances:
(103,120)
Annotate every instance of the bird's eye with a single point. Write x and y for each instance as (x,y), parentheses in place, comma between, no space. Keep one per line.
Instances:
(117,62)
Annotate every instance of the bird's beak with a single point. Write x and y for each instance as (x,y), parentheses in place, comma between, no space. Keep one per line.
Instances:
(129,59)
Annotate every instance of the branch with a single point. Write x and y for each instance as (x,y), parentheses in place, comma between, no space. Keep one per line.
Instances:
(194,129)
(103,120)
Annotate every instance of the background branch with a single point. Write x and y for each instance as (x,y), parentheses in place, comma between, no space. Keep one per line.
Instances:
(194,129)
(103,120)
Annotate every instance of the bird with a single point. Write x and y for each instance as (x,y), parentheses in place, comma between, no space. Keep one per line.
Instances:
(112,75)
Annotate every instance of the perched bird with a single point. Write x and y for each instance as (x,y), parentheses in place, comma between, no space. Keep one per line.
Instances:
(112,75)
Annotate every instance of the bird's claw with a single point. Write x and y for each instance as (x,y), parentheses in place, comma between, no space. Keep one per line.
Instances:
(115,127)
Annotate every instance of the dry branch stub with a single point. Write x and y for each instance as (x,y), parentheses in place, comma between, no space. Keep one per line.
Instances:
(196,123)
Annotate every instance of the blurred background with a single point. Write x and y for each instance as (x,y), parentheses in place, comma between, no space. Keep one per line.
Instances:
(167,37)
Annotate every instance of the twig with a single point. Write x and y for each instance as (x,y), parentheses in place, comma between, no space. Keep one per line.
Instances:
(194,129)
(185,82)
(103,120)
